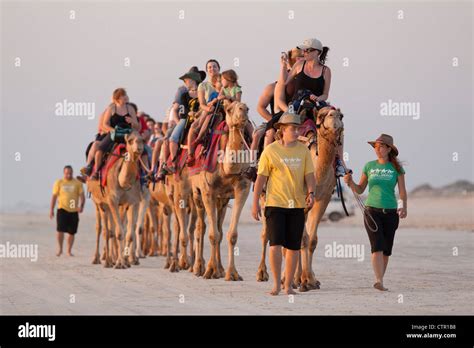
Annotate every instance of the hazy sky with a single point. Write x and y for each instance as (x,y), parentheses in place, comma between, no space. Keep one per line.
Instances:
(419,52)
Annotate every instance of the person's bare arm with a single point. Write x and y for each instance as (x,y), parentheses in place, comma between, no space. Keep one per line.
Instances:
(403,196)
(264,100)
(257,191)
(359,189)
(202,101)
(238,97)
(133,120)
(52,205)
(310,182)
(284,78)
(327,85)
(82,203)
(174,112)
(106,124)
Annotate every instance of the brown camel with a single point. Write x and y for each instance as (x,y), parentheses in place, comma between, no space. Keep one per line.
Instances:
(122,196)
(212,192)
(329,137)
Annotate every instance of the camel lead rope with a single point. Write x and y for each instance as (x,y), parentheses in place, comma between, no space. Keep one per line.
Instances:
(363,208)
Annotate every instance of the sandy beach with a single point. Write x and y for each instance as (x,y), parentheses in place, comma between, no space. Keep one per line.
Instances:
(424,275)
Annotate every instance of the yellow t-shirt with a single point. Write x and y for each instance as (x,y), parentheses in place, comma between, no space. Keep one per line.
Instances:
(285,168)
(68,192)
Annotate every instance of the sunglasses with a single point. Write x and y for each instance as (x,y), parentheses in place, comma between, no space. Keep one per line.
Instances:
(309,50)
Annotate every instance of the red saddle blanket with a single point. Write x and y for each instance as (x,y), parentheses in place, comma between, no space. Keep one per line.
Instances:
(110,161)
(208,161)
(308,126)
(204,161)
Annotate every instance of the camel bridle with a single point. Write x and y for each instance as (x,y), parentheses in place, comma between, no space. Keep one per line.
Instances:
(337,141)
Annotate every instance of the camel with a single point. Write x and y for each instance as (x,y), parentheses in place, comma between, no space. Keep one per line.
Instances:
(329,135)
(121,196)
(212,192)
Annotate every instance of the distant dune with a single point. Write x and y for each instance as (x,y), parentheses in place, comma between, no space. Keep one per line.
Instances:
(460,187)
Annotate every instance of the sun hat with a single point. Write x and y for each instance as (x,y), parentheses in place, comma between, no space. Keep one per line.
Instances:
(311,43)
(194,74)
(387,140)
(288,118)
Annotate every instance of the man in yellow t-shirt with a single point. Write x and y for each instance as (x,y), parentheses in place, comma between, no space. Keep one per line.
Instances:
(286,167)
(71,199)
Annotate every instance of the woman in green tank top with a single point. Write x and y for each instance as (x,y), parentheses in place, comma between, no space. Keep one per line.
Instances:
(382,175)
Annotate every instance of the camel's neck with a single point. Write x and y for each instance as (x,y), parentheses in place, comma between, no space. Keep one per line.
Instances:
(236,154)
(326,154)
(128,172)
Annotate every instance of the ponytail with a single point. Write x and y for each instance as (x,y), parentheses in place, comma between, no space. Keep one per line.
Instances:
(395,162)
(323,55)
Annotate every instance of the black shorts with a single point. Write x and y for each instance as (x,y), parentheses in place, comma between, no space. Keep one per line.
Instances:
(99,137)
(274,120)
(285,226)
(66,221)
(387,224)
(106,144)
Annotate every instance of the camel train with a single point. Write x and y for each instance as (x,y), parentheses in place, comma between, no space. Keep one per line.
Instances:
(139,218)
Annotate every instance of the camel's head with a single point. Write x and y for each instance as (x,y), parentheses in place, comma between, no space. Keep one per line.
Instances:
(330,119)
(134,144)
(236,114)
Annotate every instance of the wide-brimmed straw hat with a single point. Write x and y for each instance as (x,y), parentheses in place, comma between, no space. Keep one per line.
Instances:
(387,140)
(288,118)
(194,74)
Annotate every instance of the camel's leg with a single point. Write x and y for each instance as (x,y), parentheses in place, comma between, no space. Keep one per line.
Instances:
(173,262)
(114,210)
(112,245)
(308,280)
(98,228)
(159,218)
(299,267)
(127,250)
(221,210)
(142,208)
(240,194)
(106,232)
(191,229)
(132,215)
(209,201)
(153,230)
(181,208)
(199,262)
(167,235)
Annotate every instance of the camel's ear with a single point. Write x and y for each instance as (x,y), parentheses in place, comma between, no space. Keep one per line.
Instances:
(228,106)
